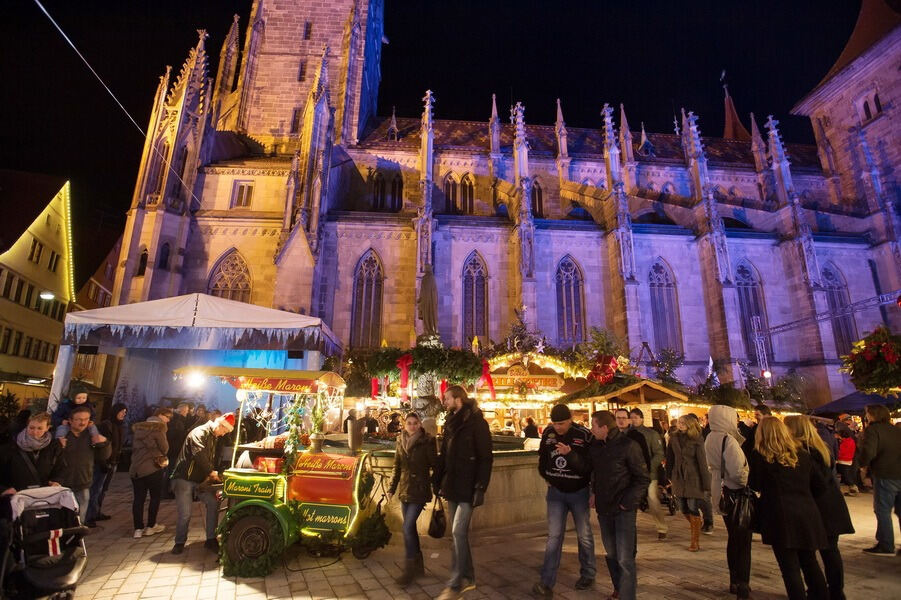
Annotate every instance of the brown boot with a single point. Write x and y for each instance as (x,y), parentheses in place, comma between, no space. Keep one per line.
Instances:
(695,522)
(408,574)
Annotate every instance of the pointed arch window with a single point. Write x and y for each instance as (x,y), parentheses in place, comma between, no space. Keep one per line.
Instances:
(450,195)
(467,203)
(163,261)
(378,192)
(750,305)
(397,193)
(844,329)
(877,103)
(665,308)
(366,312)
(231,278)
(142,264)
(159,175)
(537,201)
(475,298)
(570,302)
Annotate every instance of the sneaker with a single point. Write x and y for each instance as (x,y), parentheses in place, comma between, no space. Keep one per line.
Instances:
(178,548)
(466,585)
(154,530)
(450,593)
(542,591)
(138,533)
(103,517)
(707,529)
(584,583)
(661,535)
(879,551)
(211,544)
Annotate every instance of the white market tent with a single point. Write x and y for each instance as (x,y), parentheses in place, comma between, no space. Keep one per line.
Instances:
(190,322)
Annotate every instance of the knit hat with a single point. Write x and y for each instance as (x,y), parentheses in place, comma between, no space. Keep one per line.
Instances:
(227,420)
(560,412)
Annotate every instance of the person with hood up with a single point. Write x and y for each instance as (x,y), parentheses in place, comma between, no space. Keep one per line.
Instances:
(729,473)
(414,459)
(112,429)
(149,459)
(686,467)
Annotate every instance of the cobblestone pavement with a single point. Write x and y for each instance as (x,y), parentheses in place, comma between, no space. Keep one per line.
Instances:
(507,563)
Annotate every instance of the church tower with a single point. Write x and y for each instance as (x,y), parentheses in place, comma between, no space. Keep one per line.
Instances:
(281,58)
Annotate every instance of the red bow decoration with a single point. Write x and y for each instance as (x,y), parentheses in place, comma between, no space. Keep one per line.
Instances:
(443,389)
(374,387)
(604,369)
(486,379)
(404,362)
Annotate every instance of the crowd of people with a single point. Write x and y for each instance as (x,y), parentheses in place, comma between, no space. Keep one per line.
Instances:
(789,472)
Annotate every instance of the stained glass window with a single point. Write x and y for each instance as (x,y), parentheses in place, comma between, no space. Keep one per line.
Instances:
(466,196)
(231,278)
(750,304)
(570,302)
(844,330)
(366,312)
(475,298)
(664,308)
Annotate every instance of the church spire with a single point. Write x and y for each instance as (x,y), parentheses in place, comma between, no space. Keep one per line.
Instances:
(625,136)
(611,151)
(520,144)
(228,63)
(392,125)
(758,147)
(426,136)
(645,147)
(560,131)
(494,127)
(733,129)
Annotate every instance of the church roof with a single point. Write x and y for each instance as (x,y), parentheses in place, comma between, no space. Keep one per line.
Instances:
(23,197)
(733,129)
(474,136)
(876,19)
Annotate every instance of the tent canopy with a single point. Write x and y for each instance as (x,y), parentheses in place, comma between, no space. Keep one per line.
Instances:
(644,391)
(855,403)
(199,321)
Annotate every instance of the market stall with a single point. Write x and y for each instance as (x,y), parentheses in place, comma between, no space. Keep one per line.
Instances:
(284,488)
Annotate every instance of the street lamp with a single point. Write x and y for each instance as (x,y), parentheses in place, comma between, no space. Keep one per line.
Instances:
(47,295)
(767,375)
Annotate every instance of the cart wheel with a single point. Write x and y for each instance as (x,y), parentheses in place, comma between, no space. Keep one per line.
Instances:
(254,542)
(361,552)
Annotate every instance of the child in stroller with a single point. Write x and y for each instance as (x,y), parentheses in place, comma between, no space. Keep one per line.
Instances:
(43,553)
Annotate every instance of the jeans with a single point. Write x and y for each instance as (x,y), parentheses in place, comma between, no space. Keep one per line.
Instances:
(83,498)
(654,506)
(835,570)
(886,495)
(706,506)
(141,486)
(558,505)
(99,485)
(792,563)
(410,511)
(690,506)
(460,516)
(184,503)
(619,534)
(738,553)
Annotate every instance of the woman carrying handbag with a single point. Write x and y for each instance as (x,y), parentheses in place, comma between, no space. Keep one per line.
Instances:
(831,502)
(686,467)
(729,477)
(414,459)
(148,469)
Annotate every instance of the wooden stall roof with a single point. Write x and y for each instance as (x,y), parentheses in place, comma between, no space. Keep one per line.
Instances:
(645,391)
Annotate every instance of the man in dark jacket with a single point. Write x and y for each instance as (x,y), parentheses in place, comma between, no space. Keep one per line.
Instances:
(197,464)
(563,462)
(654,444)
(531,429)
(881,451)
(81,452)
(114,430)
(619,482)
(462,476)
(176,432)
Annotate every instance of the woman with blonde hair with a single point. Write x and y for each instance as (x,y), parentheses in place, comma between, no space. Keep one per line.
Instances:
(782,471)
(686,468)
(833,510)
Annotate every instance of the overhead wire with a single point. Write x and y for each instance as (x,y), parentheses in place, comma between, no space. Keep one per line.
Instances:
(115,98)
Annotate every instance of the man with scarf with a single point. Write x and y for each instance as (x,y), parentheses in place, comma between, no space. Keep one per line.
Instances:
(462,476)
(112,429)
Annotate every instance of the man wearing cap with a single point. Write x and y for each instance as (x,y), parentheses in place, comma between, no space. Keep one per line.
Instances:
(564,463)
(197,464)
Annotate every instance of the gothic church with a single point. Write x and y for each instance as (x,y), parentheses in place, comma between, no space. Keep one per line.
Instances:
(276,182)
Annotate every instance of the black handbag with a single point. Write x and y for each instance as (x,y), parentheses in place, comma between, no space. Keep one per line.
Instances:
(738,506)
(438,522)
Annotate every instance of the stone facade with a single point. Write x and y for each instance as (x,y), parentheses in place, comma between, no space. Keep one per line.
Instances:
(677,238)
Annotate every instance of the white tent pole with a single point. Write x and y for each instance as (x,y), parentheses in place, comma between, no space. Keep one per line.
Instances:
(62,373)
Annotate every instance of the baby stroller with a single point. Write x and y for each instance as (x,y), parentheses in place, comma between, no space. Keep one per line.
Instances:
(45,555)
(665,491)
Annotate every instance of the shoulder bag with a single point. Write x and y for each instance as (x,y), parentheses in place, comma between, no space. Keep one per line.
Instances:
(438,522)
(738,506)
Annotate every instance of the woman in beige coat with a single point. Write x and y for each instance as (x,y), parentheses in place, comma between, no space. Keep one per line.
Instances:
(148,468)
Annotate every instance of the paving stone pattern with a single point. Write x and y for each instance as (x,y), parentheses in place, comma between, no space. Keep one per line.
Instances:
(507,563)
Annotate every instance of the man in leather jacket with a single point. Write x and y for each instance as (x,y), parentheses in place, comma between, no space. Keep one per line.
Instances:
(461,476)
(619,482)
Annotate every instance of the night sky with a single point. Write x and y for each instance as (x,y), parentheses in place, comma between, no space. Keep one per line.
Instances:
(651,55)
